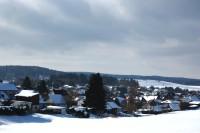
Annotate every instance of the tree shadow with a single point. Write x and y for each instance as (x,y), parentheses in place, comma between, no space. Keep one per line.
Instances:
(25,119)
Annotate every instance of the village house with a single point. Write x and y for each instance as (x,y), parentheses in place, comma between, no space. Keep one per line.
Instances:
(171,105)
(53,99)
(80,100)
(56,110)
(81,90)
(29,96)
(120,101)
(195,102)
(7,91)
(112,108)
(150,104)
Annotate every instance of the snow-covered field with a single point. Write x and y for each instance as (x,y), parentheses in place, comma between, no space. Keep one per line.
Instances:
(161,84)
(175,122)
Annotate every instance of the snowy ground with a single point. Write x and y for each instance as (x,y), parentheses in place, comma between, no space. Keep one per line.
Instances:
(162,84)
(175,122)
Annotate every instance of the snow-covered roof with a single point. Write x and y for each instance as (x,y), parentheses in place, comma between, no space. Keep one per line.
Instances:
(68,86)
(7,86)
(55,107)
(195,102)
(150,98)
(171,101)
(194,106)
(80,87)
(27,93)
(112,105)
(56,99)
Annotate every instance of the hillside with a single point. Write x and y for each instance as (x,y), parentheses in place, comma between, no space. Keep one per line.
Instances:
(179,80)
(163,84)
(18,72)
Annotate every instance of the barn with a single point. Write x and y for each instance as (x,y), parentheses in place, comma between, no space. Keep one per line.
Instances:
(29,96)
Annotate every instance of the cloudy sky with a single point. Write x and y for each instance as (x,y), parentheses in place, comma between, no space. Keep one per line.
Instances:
(153,37)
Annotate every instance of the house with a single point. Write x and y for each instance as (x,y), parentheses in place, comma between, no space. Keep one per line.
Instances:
(120,101)
(80,100)
(112,108)
(148,102)
(21,107)
(194,98)
(7,91)
(186,99)
(151,105)
(195,102)
(80,111)
(3,96)
(172,105)
(157,108)
(57,100)
(81,90)
(29,96)
(59,91)
(53,99)
(56,109)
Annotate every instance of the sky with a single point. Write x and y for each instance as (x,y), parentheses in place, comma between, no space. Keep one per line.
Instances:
(154,37)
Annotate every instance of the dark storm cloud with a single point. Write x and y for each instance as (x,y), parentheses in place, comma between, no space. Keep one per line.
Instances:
(158,35)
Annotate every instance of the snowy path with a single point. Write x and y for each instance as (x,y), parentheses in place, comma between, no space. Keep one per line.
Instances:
(176,122)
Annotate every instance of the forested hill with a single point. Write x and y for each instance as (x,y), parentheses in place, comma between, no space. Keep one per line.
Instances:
(35,72)
(16,72)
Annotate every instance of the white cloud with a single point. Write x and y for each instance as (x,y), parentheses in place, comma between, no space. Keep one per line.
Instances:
(114,36)
(114,8)
(171,43)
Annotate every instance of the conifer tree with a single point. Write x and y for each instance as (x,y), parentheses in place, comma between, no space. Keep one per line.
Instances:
(95,95)
(26,84)
(42,87)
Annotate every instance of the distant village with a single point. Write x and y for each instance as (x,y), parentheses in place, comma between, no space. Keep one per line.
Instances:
(95,99)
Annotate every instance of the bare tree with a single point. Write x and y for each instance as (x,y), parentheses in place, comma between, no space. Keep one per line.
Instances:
(132,93)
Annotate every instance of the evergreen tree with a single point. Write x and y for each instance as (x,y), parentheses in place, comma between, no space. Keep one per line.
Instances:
(42,87)
(26,84)
(95,95)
